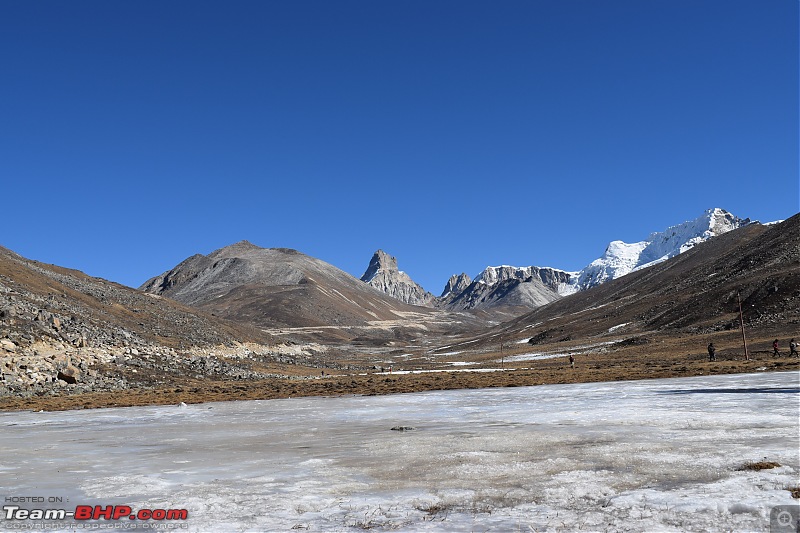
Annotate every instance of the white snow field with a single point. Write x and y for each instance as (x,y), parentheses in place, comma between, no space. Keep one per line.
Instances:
(656,455)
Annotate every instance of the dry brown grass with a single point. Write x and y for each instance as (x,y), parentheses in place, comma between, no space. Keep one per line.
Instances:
(759,465)
(589,368)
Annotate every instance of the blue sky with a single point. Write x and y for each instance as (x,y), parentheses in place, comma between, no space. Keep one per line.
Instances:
(453,134)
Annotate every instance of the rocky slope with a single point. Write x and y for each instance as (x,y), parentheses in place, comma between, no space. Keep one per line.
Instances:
(383,274)
(61,330)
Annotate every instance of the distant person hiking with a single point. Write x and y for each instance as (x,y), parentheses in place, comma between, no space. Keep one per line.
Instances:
(793,347)
(712,352)
(572,360)
(775,351)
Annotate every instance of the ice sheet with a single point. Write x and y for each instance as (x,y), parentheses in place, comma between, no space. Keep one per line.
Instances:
(657,455)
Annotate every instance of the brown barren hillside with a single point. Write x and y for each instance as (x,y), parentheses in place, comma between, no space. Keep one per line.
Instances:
(279,289)
(100,309)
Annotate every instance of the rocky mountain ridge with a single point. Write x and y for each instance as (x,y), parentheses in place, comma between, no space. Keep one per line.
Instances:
(504,286)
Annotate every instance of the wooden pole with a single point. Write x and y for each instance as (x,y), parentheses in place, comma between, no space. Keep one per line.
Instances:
(741,323)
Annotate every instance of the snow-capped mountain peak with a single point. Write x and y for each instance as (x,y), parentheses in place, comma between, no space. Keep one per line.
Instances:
(621,258)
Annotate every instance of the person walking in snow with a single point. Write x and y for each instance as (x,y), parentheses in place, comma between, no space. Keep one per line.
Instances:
(572,360)
(775,351)
(793,347)
(712,352)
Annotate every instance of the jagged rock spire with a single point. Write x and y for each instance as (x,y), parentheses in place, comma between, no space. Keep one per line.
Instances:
(383,274)
(380,262)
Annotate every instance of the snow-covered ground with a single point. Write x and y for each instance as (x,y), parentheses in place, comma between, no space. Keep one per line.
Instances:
(658,455)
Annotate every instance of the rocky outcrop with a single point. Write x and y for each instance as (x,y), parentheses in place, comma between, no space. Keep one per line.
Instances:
(456,285)
(383,274)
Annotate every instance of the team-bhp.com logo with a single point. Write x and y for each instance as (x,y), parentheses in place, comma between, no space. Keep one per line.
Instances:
(96,512)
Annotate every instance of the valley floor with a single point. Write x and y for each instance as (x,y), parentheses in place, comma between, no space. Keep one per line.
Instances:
(522,366)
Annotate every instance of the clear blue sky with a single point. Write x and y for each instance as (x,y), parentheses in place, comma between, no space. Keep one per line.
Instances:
(452,134)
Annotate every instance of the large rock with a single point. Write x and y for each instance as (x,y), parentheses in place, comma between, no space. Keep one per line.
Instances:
(8,346)
(69,374)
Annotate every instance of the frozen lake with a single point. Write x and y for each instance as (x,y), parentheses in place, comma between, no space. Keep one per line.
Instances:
(657,455)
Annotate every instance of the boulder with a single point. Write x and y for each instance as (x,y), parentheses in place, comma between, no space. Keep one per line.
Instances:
(8,346)
(69,374)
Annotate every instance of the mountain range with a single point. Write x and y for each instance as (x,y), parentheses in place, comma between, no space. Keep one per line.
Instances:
(532,286)
(274,288)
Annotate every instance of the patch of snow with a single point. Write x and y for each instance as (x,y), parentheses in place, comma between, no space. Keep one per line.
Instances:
(444,370)
(466,342)
(533,356)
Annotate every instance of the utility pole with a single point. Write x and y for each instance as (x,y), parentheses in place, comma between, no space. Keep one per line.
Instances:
(741,323)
